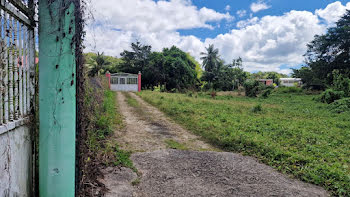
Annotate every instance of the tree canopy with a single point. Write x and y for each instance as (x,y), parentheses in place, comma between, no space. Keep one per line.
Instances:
(327,53)
(172,68)
(100,63)
(136,59)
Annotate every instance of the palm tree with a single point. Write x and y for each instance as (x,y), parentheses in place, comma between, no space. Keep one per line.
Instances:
(97,64)
(211,58)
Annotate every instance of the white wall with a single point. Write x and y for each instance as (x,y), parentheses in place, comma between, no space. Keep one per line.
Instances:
(288,84)
(15,162)
(125,87)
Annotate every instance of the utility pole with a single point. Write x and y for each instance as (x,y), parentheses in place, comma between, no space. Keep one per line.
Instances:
(57,98)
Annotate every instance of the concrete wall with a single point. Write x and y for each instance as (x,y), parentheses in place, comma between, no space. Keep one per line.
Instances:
(124,87)
(16,162)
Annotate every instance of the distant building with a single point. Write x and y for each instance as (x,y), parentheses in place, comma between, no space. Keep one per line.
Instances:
(290,82)
(125,82)
(267,82)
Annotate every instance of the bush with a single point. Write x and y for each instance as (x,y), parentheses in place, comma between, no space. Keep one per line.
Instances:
(207,86)
(257,108)
(330,95)
(341,105)
(266,93)
(251,88)
(341,83)
(289,90)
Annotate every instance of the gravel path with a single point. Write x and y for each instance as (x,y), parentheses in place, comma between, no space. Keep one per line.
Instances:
(192,172)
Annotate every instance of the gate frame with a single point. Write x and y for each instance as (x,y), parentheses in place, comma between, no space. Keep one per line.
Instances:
(18,79)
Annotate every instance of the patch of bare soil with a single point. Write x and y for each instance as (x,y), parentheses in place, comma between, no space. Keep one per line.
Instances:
(190,172)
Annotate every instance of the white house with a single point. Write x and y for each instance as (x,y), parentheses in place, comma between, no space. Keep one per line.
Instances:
(290,82)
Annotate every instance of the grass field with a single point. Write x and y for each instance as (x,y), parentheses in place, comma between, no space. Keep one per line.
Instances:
(290,132)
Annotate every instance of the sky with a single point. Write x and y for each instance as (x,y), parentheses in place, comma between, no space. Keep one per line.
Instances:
(269,35)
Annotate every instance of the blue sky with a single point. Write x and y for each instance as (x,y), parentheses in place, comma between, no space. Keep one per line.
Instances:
(269,35)
(278,7)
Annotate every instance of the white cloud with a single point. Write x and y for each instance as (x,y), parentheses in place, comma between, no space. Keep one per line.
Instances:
(269,42)
(151,16)
(241,13)
(333,12)
(248,22)
(228,8)
(112,42)
(258,6)
(264,43)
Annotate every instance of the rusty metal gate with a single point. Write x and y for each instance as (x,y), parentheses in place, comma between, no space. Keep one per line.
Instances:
(17,79)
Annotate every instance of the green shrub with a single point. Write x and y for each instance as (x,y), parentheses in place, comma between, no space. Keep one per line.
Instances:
(190,94)
(266,93)
(341,83)
(330,95)
(284,89)
(251,88)
(341,105)
(257,108)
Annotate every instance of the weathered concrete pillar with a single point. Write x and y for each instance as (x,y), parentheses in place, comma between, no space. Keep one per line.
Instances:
(57,98)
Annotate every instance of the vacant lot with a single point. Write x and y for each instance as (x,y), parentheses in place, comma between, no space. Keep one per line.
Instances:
(291,132)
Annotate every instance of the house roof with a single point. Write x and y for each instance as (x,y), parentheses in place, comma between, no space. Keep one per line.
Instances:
(124,75)
(295,79)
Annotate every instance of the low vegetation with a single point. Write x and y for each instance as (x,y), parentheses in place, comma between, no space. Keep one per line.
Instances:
(100,147)
(100,140)
(341,105)
(289,131)
(130,100)
(175,145)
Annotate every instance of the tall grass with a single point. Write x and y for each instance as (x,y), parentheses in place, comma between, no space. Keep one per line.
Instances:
(292,133)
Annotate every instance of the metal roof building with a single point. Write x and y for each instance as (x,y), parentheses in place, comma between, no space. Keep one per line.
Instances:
(125,82)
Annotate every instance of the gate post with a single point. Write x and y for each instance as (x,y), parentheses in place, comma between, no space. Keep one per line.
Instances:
(57,98)
(139,81)
(108,75)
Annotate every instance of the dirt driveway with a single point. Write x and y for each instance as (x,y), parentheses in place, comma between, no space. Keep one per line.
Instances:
(194,169)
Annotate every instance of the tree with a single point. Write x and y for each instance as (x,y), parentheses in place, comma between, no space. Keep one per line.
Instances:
(327,53)
(237,63)
(239,75)
(114,66)
(274,76)
(135,60)
(110,64)
(211,64)
(224,79)
(97,64)
(154,73)
(198,69)
(179,70)
(171,68)
(309,79)
(211,59)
